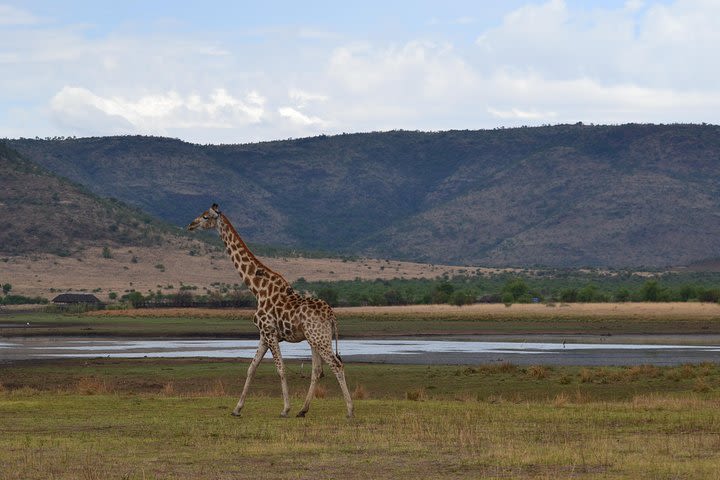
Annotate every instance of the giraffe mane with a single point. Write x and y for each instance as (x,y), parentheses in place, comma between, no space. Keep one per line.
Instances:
(249,252)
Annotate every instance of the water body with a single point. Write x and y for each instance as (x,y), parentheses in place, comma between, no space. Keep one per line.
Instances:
(448,350)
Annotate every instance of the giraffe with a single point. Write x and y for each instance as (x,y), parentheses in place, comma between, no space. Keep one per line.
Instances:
(281,315)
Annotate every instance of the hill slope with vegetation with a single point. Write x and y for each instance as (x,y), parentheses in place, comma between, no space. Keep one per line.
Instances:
(565,195)
(45,213)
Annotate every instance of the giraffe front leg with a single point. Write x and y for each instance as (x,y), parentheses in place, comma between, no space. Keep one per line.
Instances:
(277,357)
(316,370)
(262,349)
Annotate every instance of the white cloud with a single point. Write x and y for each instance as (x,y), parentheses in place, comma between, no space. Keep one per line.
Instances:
(299,118)
(303,98)
(516,113)
(667,46)
(317,34)
(634,5)
(404,72)
(156,113)
(10,15)
(545,62)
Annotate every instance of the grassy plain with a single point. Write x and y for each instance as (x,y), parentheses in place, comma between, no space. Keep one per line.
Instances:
(576,318)
(190,263)
(169,419)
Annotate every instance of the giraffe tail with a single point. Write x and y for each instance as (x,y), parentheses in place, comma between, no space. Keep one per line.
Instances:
(335,327)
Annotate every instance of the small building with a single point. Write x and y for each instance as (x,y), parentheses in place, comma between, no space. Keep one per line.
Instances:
(76,298)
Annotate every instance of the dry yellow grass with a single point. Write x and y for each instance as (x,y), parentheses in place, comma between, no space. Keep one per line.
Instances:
(605,311)
(36,275)
(628,311)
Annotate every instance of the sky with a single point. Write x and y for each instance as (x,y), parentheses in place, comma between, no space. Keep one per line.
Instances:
(238,72)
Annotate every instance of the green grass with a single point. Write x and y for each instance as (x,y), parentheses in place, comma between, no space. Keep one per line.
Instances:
(495,382)
(357,324)
(43,324)
(170,419)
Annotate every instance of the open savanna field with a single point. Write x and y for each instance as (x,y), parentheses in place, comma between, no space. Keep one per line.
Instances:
(576,318)
(145,419)
(189,263)
(169,418)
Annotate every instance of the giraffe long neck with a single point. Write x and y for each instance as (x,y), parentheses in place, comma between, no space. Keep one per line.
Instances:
(264,283)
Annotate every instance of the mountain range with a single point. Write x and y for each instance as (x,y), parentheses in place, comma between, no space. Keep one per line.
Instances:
(563,196)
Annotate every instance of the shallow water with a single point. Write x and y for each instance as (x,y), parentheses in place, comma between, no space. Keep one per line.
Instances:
(449,350)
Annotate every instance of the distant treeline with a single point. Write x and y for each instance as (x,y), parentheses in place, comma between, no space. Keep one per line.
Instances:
(21,300)
(186,299)
(527,288)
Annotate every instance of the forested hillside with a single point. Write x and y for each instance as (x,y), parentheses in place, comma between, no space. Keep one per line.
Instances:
(44,213)
(566,195)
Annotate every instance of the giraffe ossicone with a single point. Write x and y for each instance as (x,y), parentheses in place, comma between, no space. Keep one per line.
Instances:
(281,316)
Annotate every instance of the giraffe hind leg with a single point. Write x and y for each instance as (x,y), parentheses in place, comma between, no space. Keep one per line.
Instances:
(338,369)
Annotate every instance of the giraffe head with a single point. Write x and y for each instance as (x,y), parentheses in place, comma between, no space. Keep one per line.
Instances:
(206,220)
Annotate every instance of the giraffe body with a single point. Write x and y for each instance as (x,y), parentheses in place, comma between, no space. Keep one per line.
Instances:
(282,315)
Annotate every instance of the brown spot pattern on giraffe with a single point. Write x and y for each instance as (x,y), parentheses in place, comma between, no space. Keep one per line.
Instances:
(282,314)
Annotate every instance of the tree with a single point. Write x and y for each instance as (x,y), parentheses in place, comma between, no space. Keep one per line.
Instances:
(394,297)
(135,298)
(6,288)
(330,295)
(587,294)
(622,294)
(687,292)
(106,253)
(442,292)
(516,287)
(652,291)
(462,298)
(569,295)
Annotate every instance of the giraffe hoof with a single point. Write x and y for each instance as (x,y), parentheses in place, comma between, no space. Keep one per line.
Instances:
(301,414)
(235,414)
(284,415)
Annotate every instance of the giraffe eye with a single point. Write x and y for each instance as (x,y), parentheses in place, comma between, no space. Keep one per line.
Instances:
(205,217)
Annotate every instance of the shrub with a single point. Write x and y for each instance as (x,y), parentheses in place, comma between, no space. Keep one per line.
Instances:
(462,298)
(538,371)
(320,391)
(652,291)
(507,298)
(517,288)
(587,294)
(416,394)
(134,298)
(622,295)
(708,295)
(569,295)
(360,393)
(22,300)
